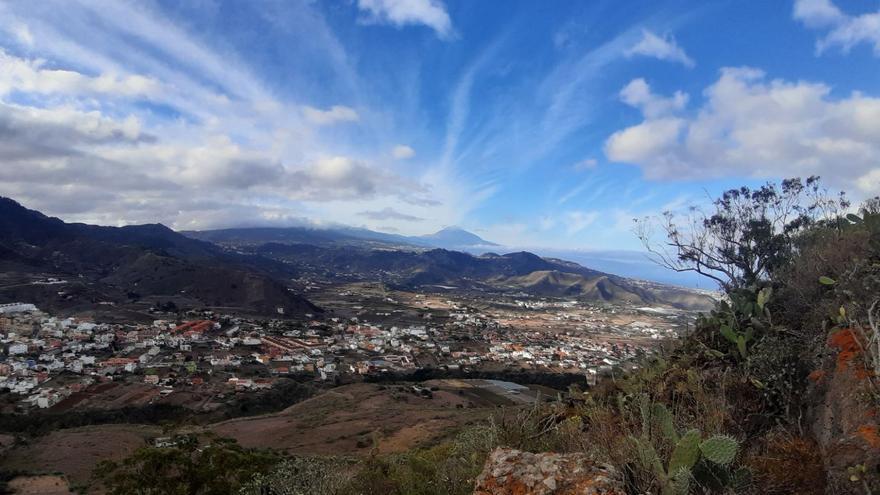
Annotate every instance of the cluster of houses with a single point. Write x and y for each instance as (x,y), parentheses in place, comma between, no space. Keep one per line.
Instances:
(35,347)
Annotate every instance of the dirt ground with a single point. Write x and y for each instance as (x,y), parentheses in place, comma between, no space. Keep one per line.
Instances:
(348,420)
(6,442)
(39,485)
(76,451)
(111,395)
(351,418)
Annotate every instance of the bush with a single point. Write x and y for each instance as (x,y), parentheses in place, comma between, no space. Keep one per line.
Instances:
(210,466)
(303,475)
(646,421)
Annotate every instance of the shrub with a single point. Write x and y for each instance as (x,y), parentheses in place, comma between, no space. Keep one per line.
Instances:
(303,475)
(215,466)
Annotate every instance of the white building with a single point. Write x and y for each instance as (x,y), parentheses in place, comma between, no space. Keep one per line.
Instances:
(17,348)
(16,308)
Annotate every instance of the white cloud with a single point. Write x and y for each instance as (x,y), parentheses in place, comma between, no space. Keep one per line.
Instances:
(389,213)
(870,182)
(341,177)
(336,113)
(403,152)
(546,222)
(213,146)
(216,163)
(638,94)
(817,13)
(656,139)
(664,48)
(572,193)
(751,126)
(844,31)
(576,221)
(23,34)
(63,129)
(30,76)
(431,13)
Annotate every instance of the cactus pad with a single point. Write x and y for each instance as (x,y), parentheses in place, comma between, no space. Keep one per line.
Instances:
(720,449)
(686,453)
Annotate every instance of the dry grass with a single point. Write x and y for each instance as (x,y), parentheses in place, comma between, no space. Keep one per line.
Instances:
(788,464)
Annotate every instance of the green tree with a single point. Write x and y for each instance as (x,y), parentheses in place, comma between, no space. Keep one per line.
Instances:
(747,234)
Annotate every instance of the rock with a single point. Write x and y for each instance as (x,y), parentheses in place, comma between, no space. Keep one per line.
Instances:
(513,472)
(842,418)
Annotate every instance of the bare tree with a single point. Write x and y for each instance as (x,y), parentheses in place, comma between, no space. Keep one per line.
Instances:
(745,235)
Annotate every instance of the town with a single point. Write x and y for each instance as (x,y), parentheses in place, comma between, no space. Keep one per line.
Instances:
(61,363)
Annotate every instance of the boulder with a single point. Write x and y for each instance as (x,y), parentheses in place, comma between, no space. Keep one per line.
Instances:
(843,417)
(513,472)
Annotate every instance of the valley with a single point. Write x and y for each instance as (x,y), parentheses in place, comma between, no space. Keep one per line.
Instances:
(336,348)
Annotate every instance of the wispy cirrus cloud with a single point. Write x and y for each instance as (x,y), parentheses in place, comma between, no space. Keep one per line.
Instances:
(31,76)
(333,115)
(402,152)
(576,221)
(351,112)
(125,115)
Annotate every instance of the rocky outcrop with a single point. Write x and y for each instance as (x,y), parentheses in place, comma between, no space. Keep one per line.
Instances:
(843,418)
(513,472)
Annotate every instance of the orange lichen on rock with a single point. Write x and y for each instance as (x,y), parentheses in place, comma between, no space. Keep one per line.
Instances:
(847,345)
(869,434)
(863,373)
(816,375)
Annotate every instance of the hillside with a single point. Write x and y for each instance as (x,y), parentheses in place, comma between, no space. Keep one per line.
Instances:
(517,272)
(452,238)
(775,391)
(242,271)
(116,264)
(455,238)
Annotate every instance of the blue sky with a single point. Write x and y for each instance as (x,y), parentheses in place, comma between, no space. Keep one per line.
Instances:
(533,124)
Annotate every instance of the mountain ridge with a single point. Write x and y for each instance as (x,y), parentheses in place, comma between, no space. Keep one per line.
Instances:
(447,238)
(243,267)
(512,272)
(149,260)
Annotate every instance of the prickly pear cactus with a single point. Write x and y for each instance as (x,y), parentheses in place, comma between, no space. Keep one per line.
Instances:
(720,449)
(686,452)
(679,483)
(665,421)
(648,457)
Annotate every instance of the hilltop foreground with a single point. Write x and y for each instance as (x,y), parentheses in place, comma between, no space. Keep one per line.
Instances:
(502,384)
(774,392)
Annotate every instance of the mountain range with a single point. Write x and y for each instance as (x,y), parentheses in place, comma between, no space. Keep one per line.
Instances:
(249,269)
(453,238)
(118,264)
(632,264)
(519,272)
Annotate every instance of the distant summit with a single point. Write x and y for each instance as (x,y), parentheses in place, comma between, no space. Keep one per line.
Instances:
(455,237)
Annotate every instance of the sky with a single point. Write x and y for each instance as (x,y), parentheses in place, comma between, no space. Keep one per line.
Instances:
(530,123)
